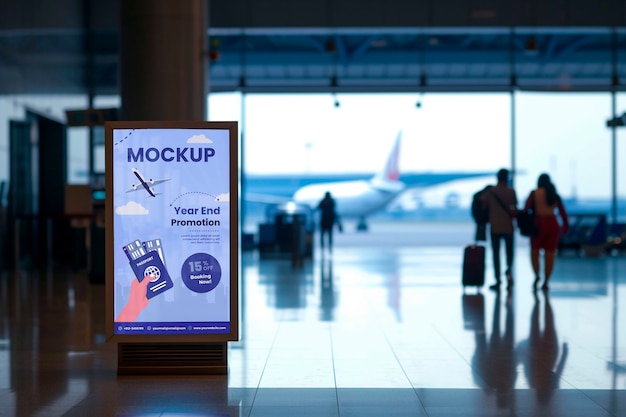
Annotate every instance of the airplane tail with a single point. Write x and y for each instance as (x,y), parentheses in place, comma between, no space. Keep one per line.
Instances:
(391,170)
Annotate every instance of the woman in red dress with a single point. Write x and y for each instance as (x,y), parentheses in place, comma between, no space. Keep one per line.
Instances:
(545,203)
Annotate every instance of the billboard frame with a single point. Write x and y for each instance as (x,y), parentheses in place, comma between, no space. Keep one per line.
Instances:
(233,233)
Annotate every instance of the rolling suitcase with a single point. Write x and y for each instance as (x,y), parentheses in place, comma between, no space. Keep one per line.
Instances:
(473,266)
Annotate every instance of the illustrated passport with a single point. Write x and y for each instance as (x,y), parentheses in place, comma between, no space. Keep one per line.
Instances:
(149,262)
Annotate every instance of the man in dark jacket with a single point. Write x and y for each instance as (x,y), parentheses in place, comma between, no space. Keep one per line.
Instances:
(328,219)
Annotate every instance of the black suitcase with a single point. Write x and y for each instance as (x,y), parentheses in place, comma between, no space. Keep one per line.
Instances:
(473,266)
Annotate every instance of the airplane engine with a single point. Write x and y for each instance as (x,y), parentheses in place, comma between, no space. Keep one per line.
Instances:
(134,186)
(151,181)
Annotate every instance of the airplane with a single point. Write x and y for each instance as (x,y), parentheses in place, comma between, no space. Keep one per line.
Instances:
(359,198)
(146,184)
(356,195)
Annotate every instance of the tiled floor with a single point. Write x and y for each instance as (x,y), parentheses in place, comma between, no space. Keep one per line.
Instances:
(382,327)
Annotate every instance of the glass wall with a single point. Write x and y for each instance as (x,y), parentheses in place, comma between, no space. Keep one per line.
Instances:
(565,135)
(444,132)
(320,134)
(53,106)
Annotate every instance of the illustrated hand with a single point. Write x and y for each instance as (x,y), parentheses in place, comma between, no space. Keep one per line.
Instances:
(137,300)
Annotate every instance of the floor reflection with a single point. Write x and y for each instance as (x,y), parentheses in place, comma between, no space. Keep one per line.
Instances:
(541,354)
(328,294)
(493,363)
(368,331)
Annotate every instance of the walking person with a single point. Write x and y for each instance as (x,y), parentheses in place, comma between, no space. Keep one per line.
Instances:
(501,201)
(327,207)
(545,202)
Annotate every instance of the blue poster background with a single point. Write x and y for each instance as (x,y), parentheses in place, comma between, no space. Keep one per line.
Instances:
(183,215)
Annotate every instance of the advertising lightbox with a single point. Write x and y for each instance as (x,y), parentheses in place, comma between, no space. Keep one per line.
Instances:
(171,231)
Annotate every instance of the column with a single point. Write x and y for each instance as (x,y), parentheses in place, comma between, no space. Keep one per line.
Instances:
(162,72)
(163,59)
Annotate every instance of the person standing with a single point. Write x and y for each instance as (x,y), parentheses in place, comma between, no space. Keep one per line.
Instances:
(501,201)
(328,218)
(544,201)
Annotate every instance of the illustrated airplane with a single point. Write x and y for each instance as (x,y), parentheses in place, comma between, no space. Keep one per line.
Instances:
(147,185)
(356,195)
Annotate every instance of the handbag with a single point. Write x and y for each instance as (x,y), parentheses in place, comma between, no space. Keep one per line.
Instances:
(526,223)
(526,220)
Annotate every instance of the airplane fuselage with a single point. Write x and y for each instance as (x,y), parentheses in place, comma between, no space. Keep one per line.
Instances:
(144,183)
(359,195)
(353,199)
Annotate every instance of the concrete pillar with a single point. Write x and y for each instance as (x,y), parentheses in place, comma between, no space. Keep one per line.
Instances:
(162,72)
(163,59)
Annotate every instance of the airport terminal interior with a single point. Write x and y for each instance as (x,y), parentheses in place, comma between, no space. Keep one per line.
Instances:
(377,324)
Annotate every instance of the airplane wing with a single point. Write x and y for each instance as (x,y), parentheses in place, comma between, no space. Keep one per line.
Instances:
(266,198)
(430,179)
(271,188)
(140,187)
(155,182)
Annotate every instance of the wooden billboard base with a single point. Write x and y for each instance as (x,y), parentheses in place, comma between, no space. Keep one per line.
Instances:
(172,359)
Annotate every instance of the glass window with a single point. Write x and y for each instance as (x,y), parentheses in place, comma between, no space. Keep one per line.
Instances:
(303,134)
(445,132)
(77,155)
(53,106)
(565,135)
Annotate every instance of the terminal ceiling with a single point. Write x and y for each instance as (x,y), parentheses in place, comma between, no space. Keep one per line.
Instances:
(336,46)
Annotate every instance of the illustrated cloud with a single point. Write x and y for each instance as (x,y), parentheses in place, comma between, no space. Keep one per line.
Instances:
(223,197)
(199,139)
(131,208)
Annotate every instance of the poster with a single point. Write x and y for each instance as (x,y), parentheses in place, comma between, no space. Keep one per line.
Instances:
(172,239)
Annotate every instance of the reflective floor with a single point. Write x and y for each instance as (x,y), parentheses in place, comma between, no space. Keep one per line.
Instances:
(380,327)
